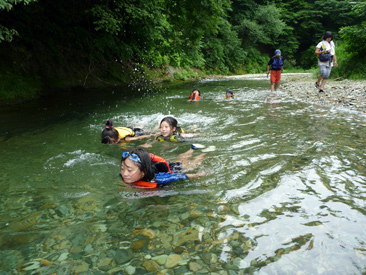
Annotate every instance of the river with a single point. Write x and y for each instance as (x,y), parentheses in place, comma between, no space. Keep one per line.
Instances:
(284,191)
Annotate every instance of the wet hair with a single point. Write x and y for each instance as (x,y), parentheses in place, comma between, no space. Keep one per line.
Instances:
(146,165)
(109,133)
(172,122)
(327,35)
(199,92)
(229,92)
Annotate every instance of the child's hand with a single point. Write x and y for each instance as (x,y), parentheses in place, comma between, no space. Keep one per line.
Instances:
(146,145)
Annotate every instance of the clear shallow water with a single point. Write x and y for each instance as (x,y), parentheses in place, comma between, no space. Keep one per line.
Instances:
(284,194)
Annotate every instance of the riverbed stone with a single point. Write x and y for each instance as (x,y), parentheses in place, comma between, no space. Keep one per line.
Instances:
(79,267)
(138,245)
(194,266)
(151,265)
(104,264)
(31,266)
(122,256)
(130,270)
(161,259)
(173,260)
(186,235)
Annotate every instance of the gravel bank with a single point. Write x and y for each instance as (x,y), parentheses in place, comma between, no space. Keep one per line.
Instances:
(342,93)
(350,94)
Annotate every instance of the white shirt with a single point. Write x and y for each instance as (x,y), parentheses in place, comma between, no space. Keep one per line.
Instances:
(330,47)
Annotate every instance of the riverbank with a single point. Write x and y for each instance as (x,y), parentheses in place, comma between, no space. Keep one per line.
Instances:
(339,93)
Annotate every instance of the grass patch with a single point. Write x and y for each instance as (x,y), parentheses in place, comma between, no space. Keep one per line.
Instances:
(15,88)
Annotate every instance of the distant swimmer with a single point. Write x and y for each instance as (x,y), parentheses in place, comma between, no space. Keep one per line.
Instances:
(195,95)
(229,94)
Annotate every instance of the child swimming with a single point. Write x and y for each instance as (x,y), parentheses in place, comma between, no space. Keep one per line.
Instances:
(169,131)
(143,170)
(111,135)
(195,95)
(229,94)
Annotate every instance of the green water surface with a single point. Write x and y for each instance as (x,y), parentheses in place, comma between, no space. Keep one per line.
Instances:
(285,190)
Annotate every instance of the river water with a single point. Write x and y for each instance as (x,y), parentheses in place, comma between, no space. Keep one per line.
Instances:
(284,193)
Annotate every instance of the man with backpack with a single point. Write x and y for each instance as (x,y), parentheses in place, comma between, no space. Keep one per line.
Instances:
(276,63)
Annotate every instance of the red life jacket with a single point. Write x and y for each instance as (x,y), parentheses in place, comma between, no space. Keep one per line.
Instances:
(149,184)
(143,184)
(195,95)
(155,158)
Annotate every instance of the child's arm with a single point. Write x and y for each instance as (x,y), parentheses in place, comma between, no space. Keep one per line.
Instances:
(149,145)
(138,137)
(186,135)
(191,176)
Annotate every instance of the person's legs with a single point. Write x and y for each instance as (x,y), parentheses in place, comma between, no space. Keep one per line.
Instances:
(185,155)
(275,79)
(324,74)
(322,84)
(272,86)
(320,78)
(187,162)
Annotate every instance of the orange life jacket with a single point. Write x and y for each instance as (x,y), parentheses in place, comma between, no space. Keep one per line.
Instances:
(143,184)
(155,158)
(195,95)
(149,184)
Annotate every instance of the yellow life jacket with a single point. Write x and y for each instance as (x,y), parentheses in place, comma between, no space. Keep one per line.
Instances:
(232,97)
(176,137)
(124,132)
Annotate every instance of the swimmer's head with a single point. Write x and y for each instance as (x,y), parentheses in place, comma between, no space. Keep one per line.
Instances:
(229,93)
(168,126)
(196,90)
(109,134)
(136,165)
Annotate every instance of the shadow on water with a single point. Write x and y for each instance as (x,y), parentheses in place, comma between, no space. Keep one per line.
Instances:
(284,191)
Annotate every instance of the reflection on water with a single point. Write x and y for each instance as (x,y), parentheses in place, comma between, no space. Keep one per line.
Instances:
(284,194)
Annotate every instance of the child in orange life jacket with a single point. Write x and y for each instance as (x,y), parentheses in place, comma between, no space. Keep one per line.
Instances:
(195,95)
(143,170)
(111,135)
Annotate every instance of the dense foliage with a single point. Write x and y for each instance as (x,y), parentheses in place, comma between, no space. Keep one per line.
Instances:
(354,39)
(216,36)
(7,34)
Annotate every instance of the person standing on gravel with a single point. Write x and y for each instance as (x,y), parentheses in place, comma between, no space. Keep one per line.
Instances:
(276,63)
(325,50)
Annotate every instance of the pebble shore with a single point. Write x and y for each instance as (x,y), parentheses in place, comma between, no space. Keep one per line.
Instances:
(339,93)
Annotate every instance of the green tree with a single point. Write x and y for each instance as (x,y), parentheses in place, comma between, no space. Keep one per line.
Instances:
(6,32)
(158,32)
(306,21)
(354,37)
(223,51)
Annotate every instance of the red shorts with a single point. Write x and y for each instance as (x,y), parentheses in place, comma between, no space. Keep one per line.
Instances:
(276,76)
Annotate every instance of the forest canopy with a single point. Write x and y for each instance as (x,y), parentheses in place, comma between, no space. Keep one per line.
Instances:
(217,36)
